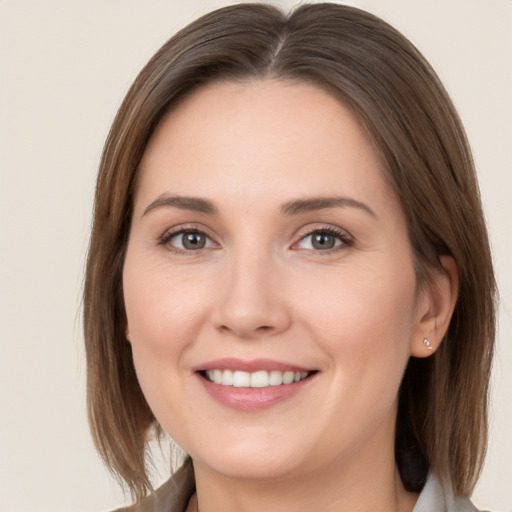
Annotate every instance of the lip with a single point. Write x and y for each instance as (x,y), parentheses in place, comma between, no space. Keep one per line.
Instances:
(251,399)
(254,365)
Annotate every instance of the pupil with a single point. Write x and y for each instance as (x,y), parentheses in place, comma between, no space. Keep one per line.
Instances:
(193,241)
(323,241)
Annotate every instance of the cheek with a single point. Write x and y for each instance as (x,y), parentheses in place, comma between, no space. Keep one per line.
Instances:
(162,307)
(164,313)
(365,327)
(365,321)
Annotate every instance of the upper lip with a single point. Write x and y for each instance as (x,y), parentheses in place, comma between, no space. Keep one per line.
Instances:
(254,365)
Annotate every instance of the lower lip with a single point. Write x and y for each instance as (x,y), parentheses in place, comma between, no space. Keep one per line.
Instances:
(252,399)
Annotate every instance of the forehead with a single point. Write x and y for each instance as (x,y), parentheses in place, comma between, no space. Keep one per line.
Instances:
(268,137)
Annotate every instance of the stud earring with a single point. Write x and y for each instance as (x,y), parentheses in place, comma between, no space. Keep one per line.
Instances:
(427,344)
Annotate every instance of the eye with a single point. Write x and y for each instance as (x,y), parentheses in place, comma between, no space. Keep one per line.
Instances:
(188,240)
(323,240)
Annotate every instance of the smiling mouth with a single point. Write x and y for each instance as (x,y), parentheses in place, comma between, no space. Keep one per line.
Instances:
(258,379)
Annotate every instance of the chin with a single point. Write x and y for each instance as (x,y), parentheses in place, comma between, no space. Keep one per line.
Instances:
(251,460)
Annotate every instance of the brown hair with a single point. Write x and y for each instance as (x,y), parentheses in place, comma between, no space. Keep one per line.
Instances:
(372,68)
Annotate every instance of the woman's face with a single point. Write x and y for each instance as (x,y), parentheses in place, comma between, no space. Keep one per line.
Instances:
(266,245)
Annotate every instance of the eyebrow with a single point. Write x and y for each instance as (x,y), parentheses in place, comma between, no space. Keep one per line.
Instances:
(296,207)
(319,203)
(196,204)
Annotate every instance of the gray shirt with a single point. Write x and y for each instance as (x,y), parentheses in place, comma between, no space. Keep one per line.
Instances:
(437,498)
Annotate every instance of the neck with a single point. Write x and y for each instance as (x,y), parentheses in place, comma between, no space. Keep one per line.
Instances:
(362,485)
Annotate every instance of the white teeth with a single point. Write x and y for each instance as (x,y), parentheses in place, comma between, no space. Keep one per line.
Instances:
(259,379)
(227,378)
(288,377)
(241,379)
(275,378)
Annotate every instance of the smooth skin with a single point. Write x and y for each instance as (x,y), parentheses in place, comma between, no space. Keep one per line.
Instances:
(295,250)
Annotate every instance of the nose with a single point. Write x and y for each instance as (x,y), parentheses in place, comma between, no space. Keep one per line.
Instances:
(252,302)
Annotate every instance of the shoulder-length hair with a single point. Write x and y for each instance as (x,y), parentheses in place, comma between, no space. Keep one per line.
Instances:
(399,100)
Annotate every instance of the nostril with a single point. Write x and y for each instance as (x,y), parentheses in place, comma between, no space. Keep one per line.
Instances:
(261,330)
(264,328)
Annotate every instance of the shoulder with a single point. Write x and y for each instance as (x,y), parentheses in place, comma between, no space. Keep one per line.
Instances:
(438,497)
(172,496)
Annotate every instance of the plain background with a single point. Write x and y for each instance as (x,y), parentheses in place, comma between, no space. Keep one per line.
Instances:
(64,69)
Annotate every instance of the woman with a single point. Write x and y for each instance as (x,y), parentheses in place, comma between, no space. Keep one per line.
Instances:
(289,272)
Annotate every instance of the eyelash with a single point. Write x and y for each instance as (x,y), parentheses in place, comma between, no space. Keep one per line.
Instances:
(169,235)
(343,236)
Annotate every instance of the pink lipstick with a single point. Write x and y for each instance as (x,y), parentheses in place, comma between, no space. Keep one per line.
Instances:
(252,385)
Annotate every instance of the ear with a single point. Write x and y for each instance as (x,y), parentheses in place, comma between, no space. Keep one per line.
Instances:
(435,309)
(127,333)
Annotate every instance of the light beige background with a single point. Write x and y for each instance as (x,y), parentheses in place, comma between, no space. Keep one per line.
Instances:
(64,68)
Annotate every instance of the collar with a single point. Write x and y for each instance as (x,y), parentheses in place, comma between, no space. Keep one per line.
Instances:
(440,498)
